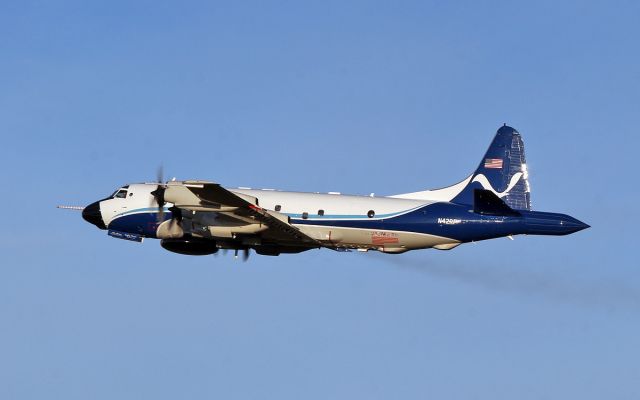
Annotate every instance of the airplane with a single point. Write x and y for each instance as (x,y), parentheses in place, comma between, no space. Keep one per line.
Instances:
(195,217)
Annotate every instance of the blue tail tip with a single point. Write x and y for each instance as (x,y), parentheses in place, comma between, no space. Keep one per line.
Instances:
(506,129)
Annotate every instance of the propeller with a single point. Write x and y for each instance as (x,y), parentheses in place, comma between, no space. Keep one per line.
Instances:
(245,254)
(173,229)
(158,194)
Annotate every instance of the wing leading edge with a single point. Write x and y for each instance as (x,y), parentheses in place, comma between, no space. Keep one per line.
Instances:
(202,196)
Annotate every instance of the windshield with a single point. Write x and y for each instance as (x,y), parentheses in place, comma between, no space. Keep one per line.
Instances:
(120,193)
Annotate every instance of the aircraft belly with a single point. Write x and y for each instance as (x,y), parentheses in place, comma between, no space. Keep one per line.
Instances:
(374,239)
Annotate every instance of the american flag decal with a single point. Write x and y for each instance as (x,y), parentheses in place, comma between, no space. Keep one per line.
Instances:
(495,163)
(382,238)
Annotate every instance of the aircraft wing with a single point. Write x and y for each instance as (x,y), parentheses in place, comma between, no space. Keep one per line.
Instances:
(212,197)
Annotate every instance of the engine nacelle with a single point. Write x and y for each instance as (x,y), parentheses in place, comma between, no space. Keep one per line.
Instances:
(190,246)
(169,229)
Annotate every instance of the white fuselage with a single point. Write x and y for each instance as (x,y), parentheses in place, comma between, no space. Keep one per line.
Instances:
(340,207)
(309,207)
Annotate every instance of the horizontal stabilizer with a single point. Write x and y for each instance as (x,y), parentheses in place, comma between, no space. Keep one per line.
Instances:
(486,202)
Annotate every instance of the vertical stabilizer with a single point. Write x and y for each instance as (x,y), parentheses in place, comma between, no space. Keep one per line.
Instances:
(503,170)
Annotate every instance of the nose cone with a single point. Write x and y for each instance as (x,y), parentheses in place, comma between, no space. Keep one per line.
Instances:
(91,214)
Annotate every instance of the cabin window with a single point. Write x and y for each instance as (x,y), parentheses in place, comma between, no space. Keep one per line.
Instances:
(321,212)
(371,213)
(305,215)
(130,194)
(278,207)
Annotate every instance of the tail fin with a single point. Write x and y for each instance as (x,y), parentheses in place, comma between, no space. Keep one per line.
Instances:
(503,170)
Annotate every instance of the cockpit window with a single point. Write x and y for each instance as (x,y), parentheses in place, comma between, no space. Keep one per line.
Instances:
(120,193)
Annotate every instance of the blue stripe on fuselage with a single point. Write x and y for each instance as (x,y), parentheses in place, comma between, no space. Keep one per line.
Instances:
(142,223)
(442,219)
(449,220)
(352,216)
(455,221)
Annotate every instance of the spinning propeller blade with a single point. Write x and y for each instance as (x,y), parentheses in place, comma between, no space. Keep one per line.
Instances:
(245,254)
(158,194)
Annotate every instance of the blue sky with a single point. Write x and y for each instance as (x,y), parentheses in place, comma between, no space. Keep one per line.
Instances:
(357,97)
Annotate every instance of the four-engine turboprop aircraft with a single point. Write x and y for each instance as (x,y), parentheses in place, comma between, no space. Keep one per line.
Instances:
(198,217)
